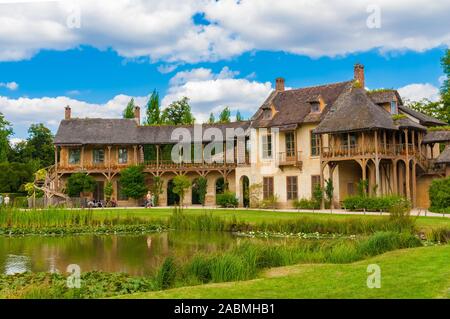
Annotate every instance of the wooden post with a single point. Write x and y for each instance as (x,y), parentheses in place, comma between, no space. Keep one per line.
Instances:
(408,182)
(82,157)
(385,146)
(109,157)
(348,144)
(395,181)
(135,154)
(157,155)
(414,186)
(363,146)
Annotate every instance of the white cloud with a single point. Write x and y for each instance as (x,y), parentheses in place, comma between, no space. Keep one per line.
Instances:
(210,92)
(419,91)
(166,68)
(442,79)
(10,85)
(15,140)
(163,30)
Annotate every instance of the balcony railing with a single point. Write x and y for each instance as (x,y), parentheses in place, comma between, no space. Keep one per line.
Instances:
(289,158)
(369,149)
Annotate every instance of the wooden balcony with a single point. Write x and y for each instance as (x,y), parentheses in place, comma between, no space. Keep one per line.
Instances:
(369,150)
(290,159)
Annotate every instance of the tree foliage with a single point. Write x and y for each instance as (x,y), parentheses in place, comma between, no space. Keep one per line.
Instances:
(153,110)
(239,117)
(439,192)
(436,109)
(40,144)
(178,112)
(78,183)
(180,184)
(445,89)
(211,119)
(5,132)
(225,115)
(132,182)
(157,188)
(13,176)
(201,185)
(128,112)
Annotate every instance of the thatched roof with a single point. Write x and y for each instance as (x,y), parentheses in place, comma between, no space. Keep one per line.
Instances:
(406,122)
(355,111)
(294,106)
(444,157)
(385,96)
(126,132)
(424,119)
(436,137)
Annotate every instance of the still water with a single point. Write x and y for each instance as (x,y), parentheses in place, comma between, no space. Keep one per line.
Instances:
(132,254)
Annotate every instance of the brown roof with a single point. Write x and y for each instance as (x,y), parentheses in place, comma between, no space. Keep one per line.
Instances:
(385,96)
(436,137)
(126,132)
(355,111)
(293,106)
(406,122)
(424,119)
(444,157)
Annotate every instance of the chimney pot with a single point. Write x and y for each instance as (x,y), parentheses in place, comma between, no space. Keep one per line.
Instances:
(279,84)
(137,114)
(359,74)
(67,113)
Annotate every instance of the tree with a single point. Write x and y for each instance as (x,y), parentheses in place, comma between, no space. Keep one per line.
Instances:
(153,110)
(13,176)
(435,109)
(178,112)
(180,184)
(317,195)
(108,191)
(211,119)
(5,132)
(239,117)
(78,183)
(128,112)
(132,182)
(445,89)
(224,116)
(40,144)
(157,188)
(201,184)
(329,190)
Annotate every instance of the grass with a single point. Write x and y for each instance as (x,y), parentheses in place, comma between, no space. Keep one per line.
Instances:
(407,273)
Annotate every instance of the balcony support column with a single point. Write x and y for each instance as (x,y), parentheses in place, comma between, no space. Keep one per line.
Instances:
(348,144)
(414,186)
(157,156)
(82,157)
(109,158)
(394,179)
(363,146)
(407,175)
(135,154)
(322,167)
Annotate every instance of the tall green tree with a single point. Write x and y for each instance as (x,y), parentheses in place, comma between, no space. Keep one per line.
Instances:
(78,183)
(132,182)
(153,110)
(40,144)
(5,132)
(180,185)
(239,117)
(178,112)
(128,112)
(445,89)
(225,115)
(211,119)
(435,109)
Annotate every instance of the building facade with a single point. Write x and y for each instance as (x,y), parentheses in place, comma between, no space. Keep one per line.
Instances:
(296,140)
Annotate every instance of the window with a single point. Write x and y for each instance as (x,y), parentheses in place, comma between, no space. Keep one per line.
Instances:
(267,187)
(267,146)
(315,144)
(123,155)
(315,107)
(345,137)
(290,144)
(74,156)
(393,107)
(315,180)
(291,187)
(267,114)
(98,155)
(120,194)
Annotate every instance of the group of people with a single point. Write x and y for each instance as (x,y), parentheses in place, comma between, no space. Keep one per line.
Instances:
(149,200)
(4,200)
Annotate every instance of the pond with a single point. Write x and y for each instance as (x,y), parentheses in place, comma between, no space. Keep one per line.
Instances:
(132,254)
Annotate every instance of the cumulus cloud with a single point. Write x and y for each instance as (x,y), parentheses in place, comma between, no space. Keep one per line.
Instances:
(211,92)
(164,30)
(10,85)
(419,91)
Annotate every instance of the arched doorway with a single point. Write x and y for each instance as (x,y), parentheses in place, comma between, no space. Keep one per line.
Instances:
(245,187)
(195,192)
(220,186)
(172,198)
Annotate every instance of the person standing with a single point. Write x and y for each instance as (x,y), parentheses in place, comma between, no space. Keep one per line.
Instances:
(1,199)
(148,198)
(6,200)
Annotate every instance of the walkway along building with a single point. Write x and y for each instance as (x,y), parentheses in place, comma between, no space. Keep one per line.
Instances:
(296,139)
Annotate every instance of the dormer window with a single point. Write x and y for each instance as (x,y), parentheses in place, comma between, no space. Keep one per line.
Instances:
(315,107)
(267,114)
(394,107)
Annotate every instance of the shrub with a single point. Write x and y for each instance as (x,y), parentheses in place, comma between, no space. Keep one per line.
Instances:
(381,242)
(109,190)
(440,195)
(132,182)
(78,183)
(441,234)
(180,184)
(157,188)
(372,204)
(227,199)
(270,202)
(305,203)
(201,185)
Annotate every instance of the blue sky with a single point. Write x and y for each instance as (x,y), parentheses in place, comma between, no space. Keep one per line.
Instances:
(201,52)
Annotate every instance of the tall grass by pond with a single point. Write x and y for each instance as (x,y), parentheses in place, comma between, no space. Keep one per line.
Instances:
(242,262)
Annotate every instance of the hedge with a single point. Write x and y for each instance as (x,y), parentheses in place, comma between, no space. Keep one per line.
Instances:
(440,195)
(371,204)
(227,199)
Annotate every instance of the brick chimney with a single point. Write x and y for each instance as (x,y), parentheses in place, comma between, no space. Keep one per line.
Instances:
(67,113)
(279,84)
(359,74)
(137,114)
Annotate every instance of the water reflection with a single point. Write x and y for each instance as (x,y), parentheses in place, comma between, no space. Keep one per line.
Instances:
(133,254)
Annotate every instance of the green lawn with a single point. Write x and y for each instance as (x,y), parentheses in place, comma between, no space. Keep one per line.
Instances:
(254,216)
(409,273)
